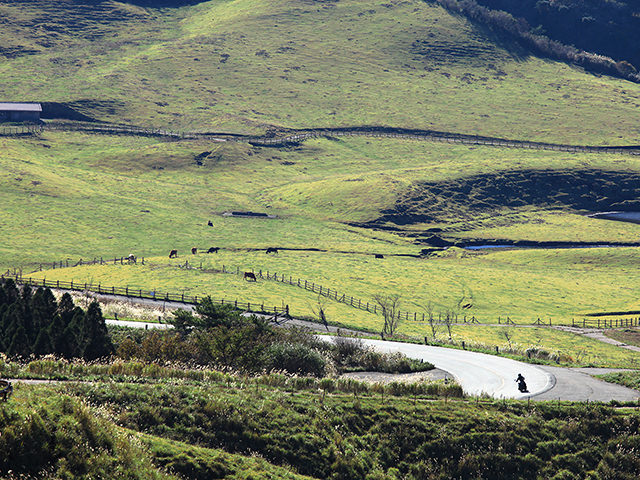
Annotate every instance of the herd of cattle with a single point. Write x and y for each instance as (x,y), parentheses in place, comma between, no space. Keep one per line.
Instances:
(248,276)
(194,251)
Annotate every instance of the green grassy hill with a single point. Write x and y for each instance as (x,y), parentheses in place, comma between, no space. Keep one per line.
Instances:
(248,66)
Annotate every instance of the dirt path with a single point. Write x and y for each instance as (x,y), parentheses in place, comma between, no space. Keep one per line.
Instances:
(597,334)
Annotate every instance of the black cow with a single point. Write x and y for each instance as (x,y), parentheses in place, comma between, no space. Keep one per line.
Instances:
(194,250)
(379,255)
(249,276)
(272,250)
(173,254)
(210,223)
(213,250)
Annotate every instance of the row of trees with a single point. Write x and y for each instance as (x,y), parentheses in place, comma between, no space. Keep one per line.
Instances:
(503,21)
(34,323)
(607,27)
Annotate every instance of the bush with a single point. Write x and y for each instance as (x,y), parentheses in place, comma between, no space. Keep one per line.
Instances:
(295,358)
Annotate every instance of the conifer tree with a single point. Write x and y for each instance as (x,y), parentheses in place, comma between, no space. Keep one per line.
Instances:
(66,309)
(98,344)
(42,344)
(11,291)
(19,343)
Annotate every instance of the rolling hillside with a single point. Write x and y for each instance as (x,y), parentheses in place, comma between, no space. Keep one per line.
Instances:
(250,66)
(247,67)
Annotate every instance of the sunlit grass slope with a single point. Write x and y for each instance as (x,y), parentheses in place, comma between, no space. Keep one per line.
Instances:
(80,196)
(243,65)
(523,285)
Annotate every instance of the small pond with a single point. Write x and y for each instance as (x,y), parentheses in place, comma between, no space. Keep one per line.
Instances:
(633,217)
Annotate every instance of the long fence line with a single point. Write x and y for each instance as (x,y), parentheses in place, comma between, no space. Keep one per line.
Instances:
(255,307)
(449,318)
(446,137)
(373,307)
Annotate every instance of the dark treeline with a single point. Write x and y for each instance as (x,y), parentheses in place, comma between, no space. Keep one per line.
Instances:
(584,32)
(34,323)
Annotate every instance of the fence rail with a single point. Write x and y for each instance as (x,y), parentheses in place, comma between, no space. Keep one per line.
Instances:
(308,285)
(446,137)
(131,292)
(334,294)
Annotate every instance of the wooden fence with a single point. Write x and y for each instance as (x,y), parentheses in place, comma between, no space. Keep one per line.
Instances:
(334,294)
(130,292)
(21,130)
(446,137)
(96,261)
(308,285)
(606,322)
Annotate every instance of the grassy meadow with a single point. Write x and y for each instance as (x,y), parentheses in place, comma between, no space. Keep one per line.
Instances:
(251,67)
(247,66)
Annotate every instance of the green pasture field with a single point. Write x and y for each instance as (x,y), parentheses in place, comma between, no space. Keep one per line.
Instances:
(73,195)
(523,285)
(558,284)
(247,66)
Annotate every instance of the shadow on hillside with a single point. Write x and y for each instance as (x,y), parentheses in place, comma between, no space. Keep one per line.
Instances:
(164,3)
(81,110)
(464,198)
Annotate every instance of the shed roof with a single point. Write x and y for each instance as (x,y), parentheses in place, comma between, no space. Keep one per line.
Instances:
(20,107)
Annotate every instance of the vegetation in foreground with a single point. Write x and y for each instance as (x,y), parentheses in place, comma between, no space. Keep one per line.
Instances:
(202,430)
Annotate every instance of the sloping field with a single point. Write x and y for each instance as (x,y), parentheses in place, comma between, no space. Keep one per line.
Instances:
(72,195)
(248,66)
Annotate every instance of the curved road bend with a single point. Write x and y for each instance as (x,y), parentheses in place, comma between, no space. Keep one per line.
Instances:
(477,373)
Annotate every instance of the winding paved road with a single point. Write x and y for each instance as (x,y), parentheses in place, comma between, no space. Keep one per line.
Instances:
(481,374)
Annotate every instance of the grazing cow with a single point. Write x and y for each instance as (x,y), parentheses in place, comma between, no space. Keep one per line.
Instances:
(379,255)
(194,250)
(131,258)
(249,276)
(213,250)
(210,223)
(272,250)
(173,254)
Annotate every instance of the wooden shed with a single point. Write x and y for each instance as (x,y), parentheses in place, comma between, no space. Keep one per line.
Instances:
(20,112)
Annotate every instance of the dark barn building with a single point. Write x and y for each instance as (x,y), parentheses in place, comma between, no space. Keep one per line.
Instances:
(20,112)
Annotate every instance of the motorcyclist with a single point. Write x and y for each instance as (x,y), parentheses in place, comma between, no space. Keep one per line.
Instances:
(522,386)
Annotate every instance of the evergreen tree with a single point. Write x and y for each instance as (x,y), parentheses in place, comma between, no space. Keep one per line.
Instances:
(11,321)
(66,309)
(44,307)
(67,344)
(19,343)
(11,291)
(56,333)
(42,345)
(97,341)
